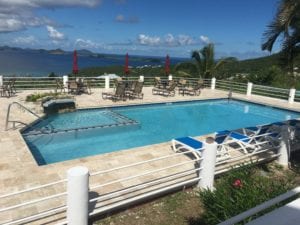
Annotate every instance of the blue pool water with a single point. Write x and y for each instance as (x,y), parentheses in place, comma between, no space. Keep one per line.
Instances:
(118,128)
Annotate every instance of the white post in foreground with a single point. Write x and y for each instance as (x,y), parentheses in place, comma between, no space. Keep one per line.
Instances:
(141,78)
(284,149)
(65,82)
(208,164)
(213,83)
(249,89)
(1,80)
(170,77)
(292,95)
(107,82)
(78,196)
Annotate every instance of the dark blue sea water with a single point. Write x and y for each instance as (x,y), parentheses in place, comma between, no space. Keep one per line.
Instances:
(35,63)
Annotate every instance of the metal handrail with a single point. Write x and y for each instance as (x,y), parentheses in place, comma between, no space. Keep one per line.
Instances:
(8,114)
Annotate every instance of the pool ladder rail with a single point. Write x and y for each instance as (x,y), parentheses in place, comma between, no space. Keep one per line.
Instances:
(7,121)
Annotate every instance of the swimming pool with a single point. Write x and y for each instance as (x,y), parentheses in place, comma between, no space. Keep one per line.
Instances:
(88,132)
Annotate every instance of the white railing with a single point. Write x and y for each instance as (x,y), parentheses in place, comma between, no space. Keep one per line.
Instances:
(261,207)
(32,202)
(230,85)
(270,91)
(142,189)
(163,174)
(48,83)
(36,83)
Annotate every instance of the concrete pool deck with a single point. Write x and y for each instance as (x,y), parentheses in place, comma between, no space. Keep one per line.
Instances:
(18,169)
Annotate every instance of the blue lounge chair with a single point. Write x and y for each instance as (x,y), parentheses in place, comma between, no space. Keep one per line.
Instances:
(195,146)
(246,143)
(188,143)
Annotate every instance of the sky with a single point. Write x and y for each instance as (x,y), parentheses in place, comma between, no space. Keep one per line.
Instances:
(139,27)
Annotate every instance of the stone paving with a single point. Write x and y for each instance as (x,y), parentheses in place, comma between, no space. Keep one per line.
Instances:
(18,169)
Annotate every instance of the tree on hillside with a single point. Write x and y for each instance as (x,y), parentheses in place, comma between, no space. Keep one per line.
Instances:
(205,61)
(286,24)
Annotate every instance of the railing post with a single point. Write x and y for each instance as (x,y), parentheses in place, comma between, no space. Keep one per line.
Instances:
(141,78)
(1,80)
(170,77)
(292,95)
(208,164)
(65,82)
(107,81)
(249,89)
(213,83)
(78,196)
(284,148)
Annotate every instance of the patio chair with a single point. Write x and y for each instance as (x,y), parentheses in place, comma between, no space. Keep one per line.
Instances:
(195,89)
(157,82)
(59,86)
(168,91)
(191,144)
(137,91)
(5,90)
(73,87)
(12,82)
(117,94)
(182,83)
(120,92)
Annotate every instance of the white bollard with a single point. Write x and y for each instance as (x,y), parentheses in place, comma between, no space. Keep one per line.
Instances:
(1,80)
(170,77)
(213,83)
(249,89)
(78,196)
(65,82)
(292,95)
(107,80)
(208,164)
(141,78)
(284,149)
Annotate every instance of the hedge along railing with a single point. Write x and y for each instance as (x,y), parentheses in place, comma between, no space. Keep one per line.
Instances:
(230,85)
(270,91)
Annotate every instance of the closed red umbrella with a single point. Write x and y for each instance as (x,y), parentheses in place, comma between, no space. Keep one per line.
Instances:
(167,65)
(126,68)
(75,64)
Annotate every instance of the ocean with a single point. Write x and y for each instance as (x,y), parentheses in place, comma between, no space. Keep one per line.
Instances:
(41,63)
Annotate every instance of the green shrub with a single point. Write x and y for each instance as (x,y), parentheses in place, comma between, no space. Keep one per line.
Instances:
(240,190)
(37,96)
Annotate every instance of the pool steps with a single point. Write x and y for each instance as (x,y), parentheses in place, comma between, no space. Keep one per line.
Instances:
(120,121)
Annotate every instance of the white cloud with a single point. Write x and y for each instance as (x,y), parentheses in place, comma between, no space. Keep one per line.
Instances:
(81,43)
(185,39)
(204,39)
(122,19)
(148,40)
(168,40)
(25,40)
(55,34)
(18,15)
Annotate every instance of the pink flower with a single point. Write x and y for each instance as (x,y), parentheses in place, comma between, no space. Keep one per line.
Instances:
(237,183)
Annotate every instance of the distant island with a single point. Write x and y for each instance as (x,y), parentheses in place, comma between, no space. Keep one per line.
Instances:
(16,61)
